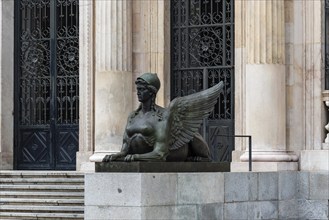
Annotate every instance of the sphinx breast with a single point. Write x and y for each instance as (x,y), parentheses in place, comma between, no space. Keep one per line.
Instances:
(144,128)
(140,144)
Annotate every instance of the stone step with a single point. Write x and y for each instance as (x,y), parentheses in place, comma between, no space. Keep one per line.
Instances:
(40,181)
(41,194)
(49,188)
(45,201)
(28,215)
(43,209)
(40,174)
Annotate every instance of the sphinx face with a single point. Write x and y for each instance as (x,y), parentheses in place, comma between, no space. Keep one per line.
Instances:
(143,93)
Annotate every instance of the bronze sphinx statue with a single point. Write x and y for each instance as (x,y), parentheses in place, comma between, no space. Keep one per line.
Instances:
(154,133)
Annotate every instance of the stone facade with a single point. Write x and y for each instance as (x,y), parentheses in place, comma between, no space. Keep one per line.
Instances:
(279,85)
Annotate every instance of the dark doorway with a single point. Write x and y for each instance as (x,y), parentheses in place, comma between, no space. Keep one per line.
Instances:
(46,84)
(202,54)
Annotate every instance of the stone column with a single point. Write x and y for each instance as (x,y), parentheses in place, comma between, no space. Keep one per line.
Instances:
(151,44)
(113,74)
(265,100)
(314,156)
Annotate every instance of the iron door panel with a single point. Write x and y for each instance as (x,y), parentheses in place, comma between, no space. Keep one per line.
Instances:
(220,140)
(67,143)
(46,84)
(35,149)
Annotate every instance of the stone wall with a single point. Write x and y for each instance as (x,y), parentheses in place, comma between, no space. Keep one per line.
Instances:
(271,195)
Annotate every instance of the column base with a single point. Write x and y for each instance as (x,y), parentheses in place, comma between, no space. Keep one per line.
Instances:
(266,161)
(264,166)
(83,162)
(236,154)
(6,161)
(325,146)
(314,160)
(270,156)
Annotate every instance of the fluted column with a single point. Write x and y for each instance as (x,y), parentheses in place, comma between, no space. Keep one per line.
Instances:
(113,36)
(265,100)
(151,44)
(113,74)
(265,35)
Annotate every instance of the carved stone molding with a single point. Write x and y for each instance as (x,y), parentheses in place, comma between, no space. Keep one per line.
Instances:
(86,77)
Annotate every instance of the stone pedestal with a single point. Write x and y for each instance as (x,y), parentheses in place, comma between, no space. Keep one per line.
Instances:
(153,195)
(271,195)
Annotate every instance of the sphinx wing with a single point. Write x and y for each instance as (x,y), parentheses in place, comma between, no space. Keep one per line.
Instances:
(186,114)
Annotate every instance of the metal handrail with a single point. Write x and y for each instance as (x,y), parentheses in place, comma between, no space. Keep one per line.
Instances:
(250,145)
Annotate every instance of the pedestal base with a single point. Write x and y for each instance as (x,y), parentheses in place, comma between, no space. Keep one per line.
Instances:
(162,167)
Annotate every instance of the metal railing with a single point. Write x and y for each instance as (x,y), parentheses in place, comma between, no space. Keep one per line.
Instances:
(250,145)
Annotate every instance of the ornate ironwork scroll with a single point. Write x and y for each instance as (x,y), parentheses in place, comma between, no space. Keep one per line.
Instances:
(47,82)
(326,44)
(202,55)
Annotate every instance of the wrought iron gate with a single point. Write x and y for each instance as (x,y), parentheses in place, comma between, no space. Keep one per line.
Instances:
(46,84)
(202,55)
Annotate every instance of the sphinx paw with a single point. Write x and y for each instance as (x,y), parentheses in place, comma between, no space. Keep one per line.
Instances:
(129,158)
(106,158)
